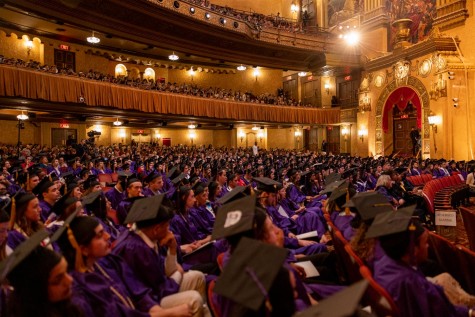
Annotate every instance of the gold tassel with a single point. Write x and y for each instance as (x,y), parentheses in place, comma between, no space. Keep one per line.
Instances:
(12,214)
(65,189)
(50,178)
(347,209)
(79,265)
(28,189)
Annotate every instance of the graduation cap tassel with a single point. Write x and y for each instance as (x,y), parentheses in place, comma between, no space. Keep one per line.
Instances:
(12,214)
(347,209)
(28,189)
(79,264)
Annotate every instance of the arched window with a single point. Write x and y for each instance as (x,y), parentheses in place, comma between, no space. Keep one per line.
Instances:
(149,74)
(120,70)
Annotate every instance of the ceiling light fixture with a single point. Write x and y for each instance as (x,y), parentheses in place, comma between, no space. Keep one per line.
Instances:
(173,57)
(22,116)
(191,126)
(93,39)
(302,74)
(241,67)
(117,122)
(255,128)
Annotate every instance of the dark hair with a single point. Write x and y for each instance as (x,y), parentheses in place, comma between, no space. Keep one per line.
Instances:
(30,282)
(212,189)
(183,193)
(83,229)
(397,245)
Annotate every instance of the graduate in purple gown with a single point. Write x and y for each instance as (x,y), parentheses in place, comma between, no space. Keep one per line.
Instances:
(307,219)
(406,246)
(151,251)
(64,208)
(188,235)
(99,207)
(133,192)
(104,283)
(296,195)
(202,214)
(24,218)
(48,193)
(154,185)
(42,286)
(117,194)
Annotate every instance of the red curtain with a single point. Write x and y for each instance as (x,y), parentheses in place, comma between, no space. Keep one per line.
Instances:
(400,98)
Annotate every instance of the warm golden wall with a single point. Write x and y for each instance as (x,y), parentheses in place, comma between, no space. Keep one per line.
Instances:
(282,139)
(13,44)
(268,80)
(262,6)
(29,135)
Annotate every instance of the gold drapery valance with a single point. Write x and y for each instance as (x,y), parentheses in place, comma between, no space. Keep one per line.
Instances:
(26,83)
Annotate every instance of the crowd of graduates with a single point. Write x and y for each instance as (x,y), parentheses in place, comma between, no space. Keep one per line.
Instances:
(177,220)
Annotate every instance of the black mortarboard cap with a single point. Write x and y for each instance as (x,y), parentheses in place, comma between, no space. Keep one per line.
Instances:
(171,171)
(62,204)
(90,182)
(236,193)
(332,186)
(338,192)
(391,222)
(150,177)
(342,304)
(149,208)
(349,172)
(234,217)
(42,186)
(249,275)
(67,175)
(89,199)
(21,252)
(333,177)
(131,180)
(266,184)
(178,179)
(400,170)
(369,204)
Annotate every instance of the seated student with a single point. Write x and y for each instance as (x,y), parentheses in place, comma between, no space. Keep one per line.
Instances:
(340,215)
(117,194)
(291,223)
(154,183)
(63,208)
(405,243)
(98,206)
(142,250)
(104,283)
(25,218)
(240,285)
(133,192)
(48,193)
(202,214)
(296,195)
(42,285)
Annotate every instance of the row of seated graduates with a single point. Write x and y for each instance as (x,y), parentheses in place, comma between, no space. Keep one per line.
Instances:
(397,279)
(69,203)
(130,181)
(159,85)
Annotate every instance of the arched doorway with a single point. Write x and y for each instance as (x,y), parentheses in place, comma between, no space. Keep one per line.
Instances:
(417,92)
(402,112)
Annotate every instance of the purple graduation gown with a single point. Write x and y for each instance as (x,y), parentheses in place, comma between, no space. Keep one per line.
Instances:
(203,219)
(115,197)
(413,294)
(45,210)
(307,220)
(92,293)
(148,265)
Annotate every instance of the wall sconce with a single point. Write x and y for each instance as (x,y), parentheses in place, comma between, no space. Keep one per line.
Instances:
(298,134)
(362,133)
(438,89)
(344,132)
(192,73)
(29,46)
(327,88)
(98,128)
(260,135)
(122,135)
(241,135)
(255,73)
(365,104)
(293,7)
(192,136)
(158,136)
(433,122)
